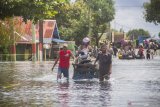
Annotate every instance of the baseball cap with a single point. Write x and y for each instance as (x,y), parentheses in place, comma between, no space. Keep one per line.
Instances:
(65,45)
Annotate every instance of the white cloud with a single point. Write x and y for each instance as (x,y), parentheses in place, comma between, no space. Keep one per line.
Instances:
(129,15)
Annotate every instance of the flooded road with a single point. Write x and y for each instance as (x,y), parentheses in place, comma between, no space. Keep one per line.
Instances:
(133,83)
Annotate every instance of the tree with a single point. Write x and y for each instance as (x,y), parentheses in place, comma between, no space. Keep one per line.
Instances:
(137,32)
(29,9)
(10,30)
(72,21)
(85,18)
(101,13)
(5,35)
(159,34)
(152,11)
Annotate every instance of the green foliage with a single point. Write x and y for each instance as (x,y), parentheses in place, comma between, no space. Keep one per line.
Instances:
(101,13)
(29,9)
(85,18)
(137,32)
(159,34)
(10,31)
(72,21)
(152,11)
(5,35)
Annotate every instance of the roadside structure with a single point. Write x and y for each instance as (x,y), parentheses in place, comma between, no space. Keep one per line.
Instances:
(38,42)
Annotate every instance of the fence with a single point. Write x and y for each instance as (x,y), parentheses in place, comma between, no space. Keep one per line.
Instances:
(22,57)
(18,57)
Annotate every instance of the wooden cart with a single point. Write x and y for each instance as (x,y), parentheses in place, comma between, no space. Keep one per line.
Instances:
(85,71)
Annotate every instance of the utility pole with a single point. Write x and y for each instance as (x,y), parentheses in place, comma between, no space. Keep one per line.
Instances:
(13,58)
(41,40)
(34,58)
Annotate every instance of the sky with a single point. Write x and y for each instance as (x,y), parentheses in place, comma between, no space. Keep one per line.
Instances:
(129,15)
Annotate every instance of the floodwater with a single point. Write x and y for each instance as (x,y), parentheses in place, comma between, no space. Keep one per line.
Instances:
(133,83)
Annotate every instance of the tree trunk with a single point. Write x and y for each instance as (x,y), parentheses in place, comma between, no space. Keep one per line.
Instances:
(97,41)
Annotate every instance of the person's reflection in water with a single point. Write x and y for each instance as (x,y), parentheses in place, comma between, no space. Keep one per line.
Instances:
(104,93)
(63,94)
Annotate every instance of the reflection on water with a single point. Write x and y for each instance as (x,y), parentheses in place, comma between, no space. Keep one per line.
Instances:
(133,83)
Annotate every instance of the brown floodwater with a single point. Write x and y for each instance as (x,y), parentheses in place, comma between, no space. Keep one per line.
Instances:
(133,83)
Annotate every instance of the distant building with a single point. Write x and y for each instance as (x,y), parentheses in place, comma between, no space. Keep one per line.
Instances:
(141,39)
(117,36)
(25,48)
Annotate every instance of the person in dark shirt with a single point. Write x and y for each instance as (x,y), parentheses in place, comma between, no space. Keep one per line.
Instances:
(115,50)
(148,52)
(105,63)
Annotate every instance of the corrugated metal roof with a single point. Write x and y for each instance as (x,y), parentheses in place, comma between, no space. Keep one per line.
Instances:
(50,30)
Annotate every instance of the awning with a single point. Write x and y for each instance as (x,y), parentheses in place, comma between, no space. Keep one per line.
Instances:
(49,40)
(58,40)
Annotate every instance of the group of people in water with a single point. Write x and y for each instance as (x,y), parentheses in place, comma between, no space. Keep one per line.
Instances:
(103,55)
(83,56)
(140,53)
(130,53)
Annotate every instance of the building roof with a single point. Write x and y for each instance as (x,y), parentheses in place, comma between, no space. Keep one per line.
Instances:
(50,30)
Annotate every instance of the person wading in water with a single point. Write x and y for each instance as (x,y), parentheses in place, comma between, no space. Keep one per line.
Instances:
(64,62)
(105,63)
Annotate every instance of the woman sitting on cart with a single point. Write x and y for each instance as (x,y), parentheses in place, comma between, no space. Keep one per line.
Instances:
(83,52)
